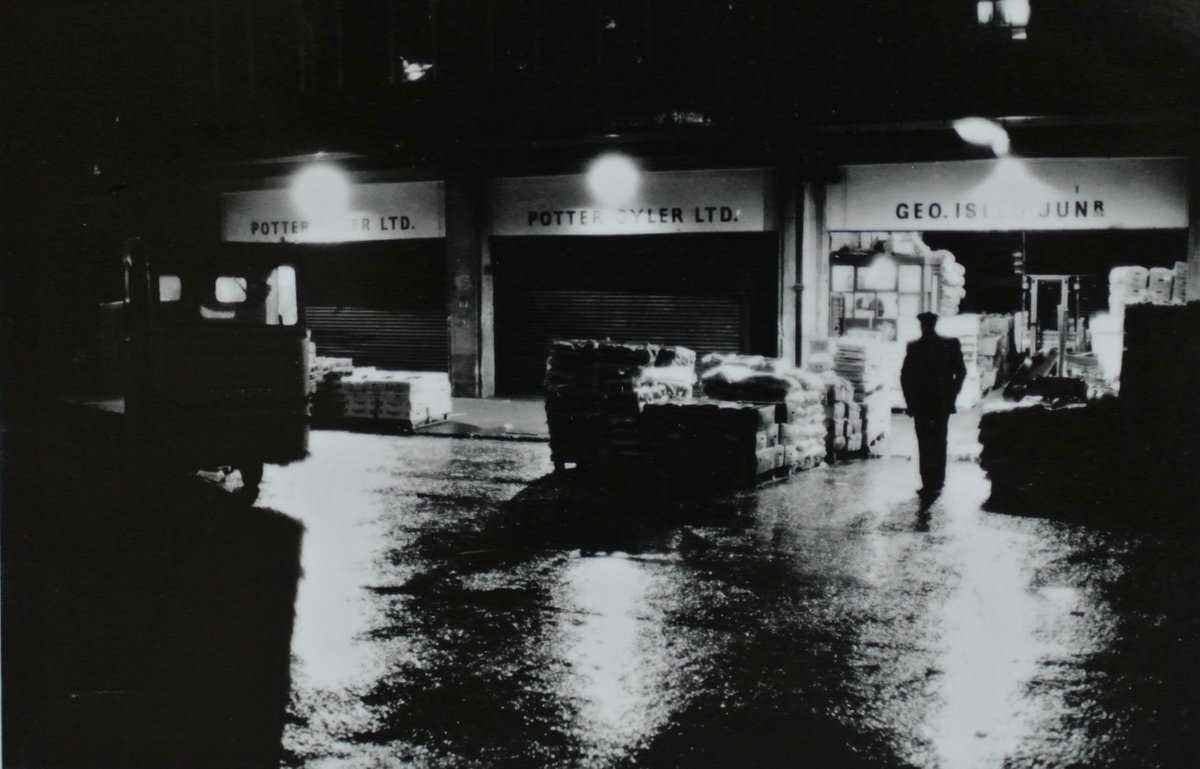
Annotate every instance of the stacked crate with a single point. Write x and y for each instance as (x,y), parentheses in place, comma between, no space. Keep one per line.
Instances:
(717,442)
(850,364)
(595,393)
(853,362)
(407,398)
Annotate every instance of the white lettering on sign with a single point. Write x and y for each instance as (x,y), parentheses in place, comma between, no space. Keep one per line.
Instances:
(1012,194)
(380,211)
(668,202)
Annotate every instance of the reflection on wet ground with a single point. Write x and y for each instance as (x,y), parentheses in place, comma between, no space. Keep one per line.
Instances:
(462,609)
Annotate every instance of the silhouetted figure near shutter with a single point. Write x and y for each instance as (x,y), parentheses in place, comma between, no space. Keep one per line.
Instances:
(931,378)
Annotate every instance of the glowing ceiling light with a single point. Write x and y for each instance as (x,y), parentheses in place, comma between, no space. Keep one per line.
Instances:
(984,133)
(613,180)
(320,192)
(1015,13)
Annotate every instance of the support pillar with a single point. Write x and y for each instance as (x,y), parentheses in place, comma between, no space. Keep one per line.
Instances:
(814,269)
(464,214)
(789,274)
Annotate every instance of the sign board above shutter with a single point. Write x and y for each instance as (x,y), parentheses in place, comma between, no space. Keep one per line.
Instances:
(737,200)
(1012,194)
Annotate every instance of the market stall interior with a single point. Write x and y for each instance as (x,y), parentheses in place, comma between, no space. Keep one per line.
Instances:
(1052,301)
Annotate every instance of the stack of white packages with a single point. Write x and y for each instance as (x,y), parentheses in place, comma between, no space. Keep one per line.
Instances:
(1126,285)
(953,284)
(413,397)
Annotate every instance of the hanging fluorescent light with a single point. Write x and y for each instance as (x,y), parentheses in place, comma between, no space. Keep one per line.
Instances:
(983,133)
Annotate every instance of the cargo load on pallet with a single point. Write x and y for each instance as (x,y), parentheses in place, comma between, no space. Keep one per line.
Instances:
(323,371)
(859,363)
(1079,458)
(800,398)
(596,390)
(406,398)
(712,441)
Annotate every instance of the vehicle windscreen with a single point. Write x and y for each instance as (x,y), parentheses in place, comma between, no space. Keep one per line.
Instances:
(246,296)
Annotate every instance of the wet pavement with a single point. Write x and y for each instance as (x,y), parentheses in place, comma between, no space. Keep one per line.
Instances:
(461,606)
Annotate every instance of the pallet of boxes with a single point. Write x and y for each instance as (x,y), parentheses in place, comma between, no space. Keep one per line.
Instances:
(346,395)
(596,392)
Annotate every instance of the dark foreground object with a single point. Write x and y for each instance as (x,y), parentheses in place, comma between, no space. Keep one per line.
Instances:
(148,617)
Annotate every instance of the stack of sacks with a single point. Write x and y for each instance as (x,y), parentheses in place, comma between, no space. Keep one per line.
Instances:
(411,397)
(803,431)
(1029,471)
(953,283)
(1158,285)
(800,396)
(714,441)
(595,392)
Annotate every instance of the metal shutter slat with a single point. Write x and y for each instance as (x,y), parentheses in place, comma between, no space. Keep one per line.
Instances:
(395,339)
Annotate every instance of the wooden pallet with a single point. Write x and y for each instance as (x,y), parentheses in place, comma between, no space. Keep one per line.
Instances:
(375,424)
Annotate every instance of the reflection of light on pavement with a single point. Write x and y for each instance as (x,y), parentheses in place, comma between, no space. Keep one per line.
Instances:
(610,638)
(992,641)
(327,494)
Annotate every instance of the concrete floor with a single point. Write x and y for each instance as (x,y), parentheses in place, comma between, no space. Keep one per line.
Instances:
(462,607)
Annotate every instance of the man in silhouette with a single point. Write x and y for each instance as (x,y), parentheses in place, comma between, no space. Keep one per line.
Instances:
(931,378)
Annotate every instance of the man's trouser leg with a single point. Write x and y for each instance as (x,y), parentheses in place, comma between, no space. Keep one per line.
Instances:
(931,446)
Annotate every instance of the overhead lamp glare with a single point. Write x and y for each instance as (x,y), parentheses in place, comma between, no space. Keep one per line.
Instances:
(983,133)
(613,180)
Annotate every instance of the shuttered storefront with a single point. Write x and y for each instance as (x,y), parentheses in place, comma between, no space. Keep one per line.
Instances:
(712,293)
(382,304)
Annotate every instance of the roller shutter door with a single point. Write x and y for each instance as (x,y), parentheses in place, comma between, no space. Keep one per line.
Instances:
(411,340)
(527,324)
(382,304)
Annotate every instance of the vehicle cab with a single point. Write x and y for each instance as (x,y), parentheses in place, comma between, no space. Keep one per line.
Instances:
(217,357)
